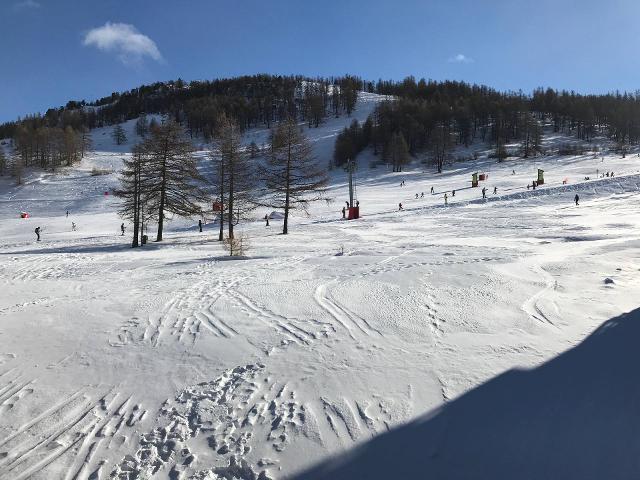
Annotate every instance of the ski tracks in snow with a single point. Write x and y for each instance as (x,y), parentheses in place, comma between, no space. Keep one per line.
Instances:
(70,436)
(532,306)
(350,322)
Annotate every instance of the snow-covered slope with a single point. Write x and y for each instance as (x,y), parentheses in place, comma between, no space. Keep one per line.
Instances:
(171,361)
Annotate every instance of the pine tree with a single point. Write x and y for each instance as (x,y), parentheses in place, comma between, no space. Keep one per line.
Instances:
(133,192)
(171,179)
(440,145)
(86,142)
(292,178)
(71,146)
(3,161)
(142,126)
(18,167)
(397,151)
(235,181)
(118,134)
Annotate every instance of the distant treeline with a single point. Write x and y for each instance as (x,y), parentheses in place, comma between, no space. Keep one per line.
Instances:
(424,117)
(258,100)
(432,117)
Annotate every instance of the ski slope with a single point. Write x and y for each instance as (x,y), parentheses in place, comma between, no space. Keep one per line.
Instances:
(173,361)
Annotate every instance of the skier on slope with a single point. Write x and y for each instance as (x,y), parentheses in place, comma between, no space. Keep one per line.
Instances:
(400,206)
(266,217)
(484,192)
(576,199)
(344,211)
(73,226)
(446,199)
(199,226)
(495,190)
(37,230)
(431,190)
(122,229)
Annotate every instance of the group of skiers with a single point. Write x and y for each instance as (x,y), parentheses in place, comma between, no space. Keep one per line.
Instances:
(533,185)
(345,208)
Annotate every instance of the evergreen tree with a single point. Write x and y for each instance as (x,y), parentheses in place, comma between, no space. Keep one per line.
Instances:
(440,145)
(142,126)
(235,181)
(3,161)
(171,178)
(86,142)
(292,178)
(17,167)
(397,151)
(133,192)
(118,134)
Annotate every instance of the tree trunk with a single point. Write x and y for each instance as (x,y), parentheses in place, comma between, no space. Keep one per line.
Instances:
(161,208)
(231,193)
(221,233)
(285,228)
(136,214)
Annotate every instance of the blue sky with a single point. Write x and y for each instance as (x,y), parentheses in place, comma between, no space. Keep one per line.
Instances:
(55,50)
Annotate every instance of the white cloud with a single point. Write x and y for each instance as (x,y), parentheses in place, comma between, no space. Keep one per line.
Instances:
(25,4)
(124,40)
(460,58)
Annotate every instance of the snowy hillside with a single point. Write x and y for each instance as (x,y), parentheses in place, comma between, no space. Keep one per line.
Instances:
(171,361)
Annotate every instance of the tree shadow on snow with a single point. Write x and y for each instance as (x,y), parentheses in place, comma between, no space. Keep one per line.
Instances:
(108,248)
(574,417)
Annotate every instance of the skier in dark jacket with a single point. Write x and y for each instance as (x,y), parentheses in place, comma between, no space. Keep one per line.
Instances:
(400,207)
(199,226)
(266,218)
(576,199)
(37,230)
(122,227)
(484,192)
(344,211)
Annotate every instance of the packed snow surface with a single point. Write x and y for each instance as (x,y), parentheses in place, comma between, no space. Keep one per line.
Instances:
(174,361)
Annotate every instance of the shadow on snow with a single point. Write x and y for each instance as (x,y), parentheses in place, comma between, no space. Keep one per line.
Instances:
(574,417)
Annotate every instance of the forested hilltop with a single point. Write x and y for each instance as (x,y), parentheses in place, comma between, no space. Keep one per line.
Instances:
(59,136)
(433,117)
(421,117)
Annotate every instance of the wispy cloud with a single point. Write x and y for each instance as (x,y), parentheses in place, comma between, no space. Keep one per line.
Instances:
(124,40)
(460,58)
(26,4)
